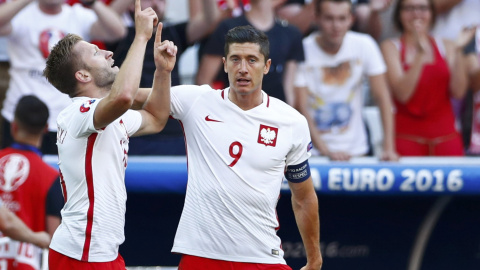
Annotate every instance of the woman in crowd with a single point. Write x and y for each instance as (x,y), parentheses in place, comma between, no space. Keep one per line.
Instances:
(424,72)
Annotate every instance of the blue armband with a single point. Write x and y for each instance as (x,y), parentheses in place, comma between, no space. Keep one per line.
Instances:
(298,173)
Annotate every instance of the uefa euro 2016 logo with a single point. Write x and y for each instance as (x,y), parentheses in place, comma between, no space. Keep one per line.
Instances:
(14,170)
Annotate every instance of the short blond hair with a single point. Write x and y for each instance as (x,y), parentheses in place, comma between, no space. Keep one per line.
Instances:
(62,63)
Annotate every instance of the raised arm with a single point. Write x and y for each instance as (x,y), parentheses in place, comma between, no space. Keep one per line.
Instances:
(305,208)
(8,10)
(473,68)
(204,17)
(124,89)
(109,26)
(456,62)
(368,17)
(13,227)
(302,16)
(156,109)
(379,89)
(401,83)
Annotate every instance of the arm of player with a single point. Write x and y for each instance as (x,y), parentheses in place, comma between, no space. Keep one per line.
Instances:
(8,10)
(305,208)
(109,26)
(140,98)
(156,109)
(379,88)
(124,88)
(13,227)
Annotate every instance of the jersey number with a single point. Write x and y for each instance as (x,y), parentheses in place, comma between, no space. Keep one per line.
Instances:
(237,154)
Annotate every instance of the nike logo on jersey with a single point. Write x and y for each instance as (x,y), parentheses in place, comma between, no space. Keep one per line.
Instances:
(208,119)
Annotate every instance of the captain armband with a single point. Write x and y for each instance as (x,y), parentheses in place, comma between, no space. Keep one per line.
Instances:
(298,173)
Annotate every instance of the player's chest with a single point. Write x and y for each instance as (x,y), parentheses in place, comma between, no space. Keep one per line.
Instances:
(255,139)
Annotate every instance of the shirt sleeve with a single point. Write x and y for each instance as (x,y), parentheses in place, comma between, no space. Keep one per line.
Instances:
(302,143)
(55,199)
(80,118)
(132,121)
(183,97)
(373,59)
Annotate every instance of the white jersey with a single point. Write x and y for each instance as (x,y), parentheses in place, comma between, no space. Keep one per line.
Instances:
(33,35)
(236,162)
(334,82)
(92,165)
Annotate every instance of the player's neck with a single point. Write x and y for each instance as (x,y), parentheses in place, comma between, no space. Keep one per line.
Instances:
(246,101)
(92,91)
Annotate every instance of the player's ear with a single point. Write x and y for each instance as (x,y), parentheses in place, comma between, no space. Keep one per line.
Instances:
(267,66)
(224,64)
(83,76)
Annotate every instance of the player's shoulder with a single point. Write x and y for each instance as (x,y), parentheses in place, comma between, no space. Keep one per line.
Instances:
(192,90)
(79,105)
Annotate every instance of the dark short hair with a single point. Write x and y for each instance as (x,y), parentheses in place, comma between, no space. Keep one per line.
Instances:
(247,34)
(31,114)
(398,9)
(318,4)
(62,63)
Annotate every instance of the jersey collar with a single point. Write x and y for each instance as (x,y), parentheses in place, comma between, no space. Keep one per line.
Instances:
(265,97)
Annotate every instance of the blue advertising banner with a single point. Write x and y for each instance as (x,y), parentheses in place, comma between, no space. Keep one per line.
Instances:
(364,177)
(417,214)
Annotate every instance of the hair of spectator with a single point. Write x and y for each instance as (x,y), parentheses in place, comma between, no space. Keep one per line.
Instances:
(398,9)
(248,34)
(62,63)
(31,114)
(318,4)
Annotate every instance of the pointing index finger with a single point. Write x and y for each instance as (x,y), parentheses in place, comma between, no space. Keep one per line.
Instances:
(158,35)
(138,7)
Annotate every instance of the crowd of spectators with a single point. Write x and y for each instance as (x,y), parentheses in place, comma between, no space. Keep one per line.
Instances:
(425,77)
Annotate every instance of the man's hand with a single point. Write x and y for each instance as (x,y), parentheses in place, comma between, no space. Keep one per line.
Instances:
(145,20)
(164,53)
